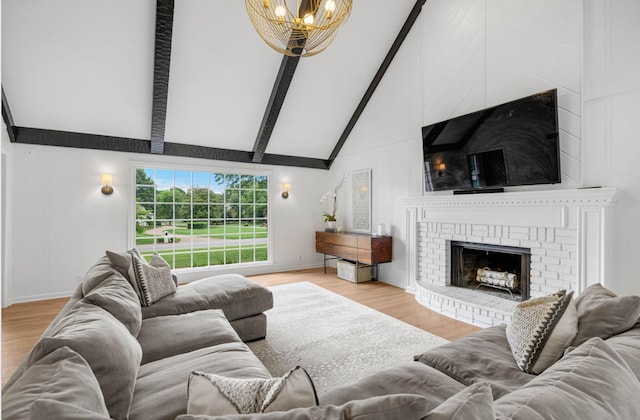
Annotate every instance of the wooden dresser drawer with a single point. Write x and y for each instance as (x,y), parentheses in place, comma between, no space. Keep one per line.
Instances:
(337,239)
(363,248)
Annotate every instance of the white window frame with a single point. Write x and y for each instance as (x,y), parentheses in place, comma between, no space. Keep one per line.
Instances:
(227,247)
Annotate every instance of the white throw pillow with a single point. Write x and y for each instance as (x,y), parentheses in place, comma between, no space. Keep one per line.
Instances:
(541,329)
(215,395)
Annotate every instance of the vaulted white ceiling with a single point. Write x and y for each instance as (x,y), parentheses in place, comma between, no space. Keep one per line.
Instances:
(87,66)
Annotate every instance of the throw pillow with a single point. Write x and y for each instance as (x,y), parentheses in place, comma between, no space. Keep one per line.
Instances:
(382,407)
(601,313)
(591,382)
(123,262)
(151,281)
(154,280)
(473,402)
(210,394)
(541,329)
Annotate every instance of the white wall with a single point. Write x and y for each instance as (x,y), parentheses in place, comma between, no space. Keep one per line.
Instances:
(63,223)
(610,125)
(461,56)
(7,226)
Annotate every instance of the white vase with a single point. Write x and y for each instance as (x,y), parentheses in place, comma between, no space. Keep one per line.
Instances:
(331,226)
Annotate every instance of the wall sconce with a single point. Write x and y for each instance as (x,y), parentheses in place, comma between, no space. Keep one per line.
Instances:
(440,167)
(106,179)
(286,187)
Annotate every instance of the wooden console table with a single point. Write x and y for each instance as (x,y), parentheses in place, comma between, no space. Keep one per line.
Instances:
(357,247)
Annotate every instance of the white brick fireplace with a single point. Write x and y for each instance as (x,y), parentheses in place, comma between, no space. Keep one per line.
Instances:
(567,232)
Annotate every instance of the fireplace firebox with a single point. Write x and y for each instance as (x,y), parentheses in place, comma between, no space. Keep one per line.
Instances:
(500,270)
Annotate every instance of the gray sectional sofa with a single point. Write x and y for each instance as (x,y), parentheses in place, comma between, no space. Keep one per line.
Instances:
(105,357)
(477,378)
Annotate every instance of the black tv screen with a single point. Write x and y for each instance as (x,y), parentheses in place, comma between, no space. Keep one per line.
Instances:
(512,144)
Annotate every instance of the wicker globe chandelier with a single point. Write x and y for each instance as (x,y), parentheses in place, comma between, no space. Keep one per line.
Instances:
(303,31)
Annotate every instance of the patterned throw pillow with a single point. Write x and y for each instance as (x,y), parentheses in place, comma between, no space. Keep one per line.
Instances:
(541,329)
(154,280)
(151,281)
(215,395)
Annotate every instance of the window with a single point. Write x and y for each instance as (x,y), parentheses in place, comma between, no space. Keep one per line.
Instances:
(199,219)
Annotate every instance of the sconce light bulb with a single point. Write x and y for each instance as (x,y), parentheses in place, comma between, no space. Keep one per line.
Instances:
(286,187)
(106,179)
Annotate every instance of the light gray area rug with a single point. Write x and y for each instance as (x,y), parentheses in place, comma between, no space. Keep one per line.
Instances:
(337,340)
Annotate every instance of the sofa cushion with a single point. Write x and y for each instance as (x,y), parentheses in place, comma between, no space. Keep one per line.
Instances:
(54,409)
(188,332)
(541,329)
(99,272)
(237,296)
(251,328)
(161,387)
(112,352)
(627,345)
(62,375)
(473,402)
(401,378)
(601,313)
(385,407)
(481,356)
(116,296)
(590,382)
(211,394)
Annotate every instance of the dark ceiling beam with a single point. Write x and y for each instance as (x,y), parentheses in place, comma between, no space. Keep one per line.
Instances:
(46,137)
(161,66)
(395,47)
(280,89)
(8,118)
(278,94)
(297,161)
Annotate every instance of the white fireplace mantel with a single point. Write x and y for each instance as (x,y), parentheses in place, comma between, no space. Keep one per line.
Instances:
(531,209)
(582,214)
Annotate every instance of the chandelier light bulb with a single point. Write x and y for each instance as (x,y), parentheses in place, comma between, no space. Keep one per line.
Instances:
(280,13)
(330,7)
(265,3)
(308,19)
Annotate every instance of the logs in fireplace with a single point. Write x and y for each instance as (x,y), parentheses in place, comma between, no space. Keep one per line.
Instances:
(503,269)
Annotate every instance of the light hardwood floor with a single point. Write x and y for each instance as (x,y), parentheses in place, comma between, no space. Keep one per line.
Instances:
(23,323)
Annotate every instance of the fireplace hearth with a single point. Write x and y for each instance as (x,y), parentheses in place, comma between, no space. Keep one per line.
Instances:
(498,270)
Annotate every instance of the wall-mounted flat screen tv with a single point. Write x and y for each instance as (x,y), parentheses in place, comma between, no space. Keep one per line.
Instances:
(512,144)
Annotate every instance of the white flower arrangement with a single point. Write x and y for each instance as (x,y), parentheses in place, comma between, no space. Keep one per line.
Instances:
(332,195)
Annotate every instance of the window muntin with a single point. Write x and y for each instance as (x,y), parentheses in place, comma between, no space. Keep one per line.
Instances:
(199,218)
